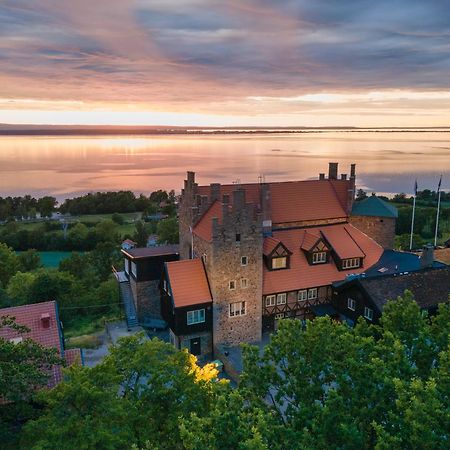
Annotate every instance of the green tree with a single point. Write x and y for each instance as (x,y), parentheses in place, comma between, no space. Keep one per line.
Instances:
(29,260)
(23,365)
(77,236)
(106,231)
(9,264)
(361,195)
(138,393)
(46,206)
(167,231)
(141,234)
(118,219)
(19,288)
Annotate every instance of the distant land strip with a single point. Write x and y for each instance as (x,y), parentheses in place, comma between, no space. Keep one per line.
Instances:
(82,130)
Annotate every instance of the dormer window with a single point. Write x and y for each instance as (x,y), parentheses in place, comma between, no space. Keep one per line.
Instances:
(276,255)
(351,263)
(279,262)
(319,257)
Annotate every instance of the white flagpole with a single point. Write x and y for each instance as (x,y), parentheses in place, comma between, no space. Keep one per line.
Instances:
(437,214)
(412,224)
(413,214)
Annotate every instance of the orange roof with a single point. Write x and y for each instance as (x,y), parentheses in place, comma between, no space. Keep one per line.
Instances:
(188,282)
(269,245)
(203,227)
(309,240)
(342,242)
(302,275)
(295,201)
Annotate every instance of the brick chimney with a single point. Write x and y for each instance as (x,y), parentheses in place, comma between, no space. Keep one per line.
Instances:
(321,176)
(215,191)
(332,171)
(427,256)
(351,189)
(238,199)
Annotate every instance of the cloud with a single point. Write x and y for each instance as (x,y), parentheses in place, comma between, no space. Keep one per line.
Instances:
(215,57)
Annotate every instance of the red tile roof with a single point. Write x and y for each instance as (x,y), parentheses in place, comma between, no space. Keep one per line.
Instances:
(36,317)
(188,282)
(302,275)
(342,242)
(30,316)
(269,245)
(203,227)
(309,240)
(296,201)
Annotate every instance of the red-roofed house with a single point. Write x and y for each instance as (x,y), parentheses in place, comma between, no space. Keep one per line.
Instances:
(42,319)
(268,251)
(187,305)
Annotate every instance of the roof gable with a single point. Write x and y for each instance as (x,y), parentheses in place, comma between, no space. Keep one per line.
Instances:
(301,274)
(342,242)
(188,282)
(429,287)
(203,228)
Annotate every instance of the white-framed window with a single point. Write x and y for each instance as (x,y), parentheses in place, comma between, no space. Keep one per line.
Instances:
(232,285)
(312,293)
(127,266)
(302,295)
(351,304)
(368,313)
(270,300)
(244,260)
(281,298)
(319,257)
(279,316)
(134,268)
(351,263)
(196,316)
(244,283)
(237,309)
(279,262)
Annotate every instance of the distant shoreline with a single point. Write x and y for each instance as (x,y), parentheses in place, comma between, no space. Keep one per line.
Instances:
(17,130)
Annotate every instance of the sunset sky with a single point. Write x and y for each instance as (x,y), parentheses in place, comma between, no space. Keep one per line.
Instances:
(225,63)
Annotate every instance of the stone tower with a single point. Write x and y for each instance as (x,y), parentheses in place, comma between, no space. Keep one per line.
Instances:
(188,212)
(234,267)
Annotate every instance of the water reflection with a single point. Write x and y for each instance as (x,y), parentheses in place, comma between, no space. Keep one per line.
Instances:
(65,166)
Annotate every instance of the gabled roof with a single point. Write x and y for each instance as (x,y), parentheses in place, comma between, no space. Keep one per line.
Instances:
(270,244)
(342,241)
(302,275)
(430,287)
(188,282)
(309,240)
(33,317)
(374,206)
(203,228)
(295,201)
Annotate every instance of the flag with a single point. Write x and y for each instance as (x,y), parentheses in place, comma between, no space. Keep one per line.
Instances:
(415,188)
(439,185)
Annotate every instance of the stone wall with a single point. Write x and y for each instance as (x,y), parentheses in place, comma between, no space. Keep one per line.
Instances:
(146,297)
(187,214)
(224,265)
(183,342)
(380,229)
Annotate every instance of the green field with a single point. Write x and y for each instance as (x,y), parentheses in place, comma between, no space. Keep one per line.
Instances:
(127,228)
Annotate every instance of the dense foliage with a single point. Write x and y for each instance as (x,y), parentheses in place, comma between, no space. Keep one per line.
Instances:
(83,285)
(26,207)
(319,384)
(118,202)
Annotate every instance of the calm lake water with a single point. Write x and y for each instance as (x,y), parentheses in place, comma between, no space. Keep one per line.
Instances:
(66,166)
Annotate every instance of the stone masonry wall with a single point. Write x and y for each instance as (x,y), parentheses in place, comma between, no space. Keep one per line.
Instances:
(146,297)
(224,265)
(380,229)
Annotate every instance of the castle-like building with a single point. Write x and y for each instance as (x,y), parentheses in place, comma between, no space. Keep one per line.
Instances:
(252,254)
